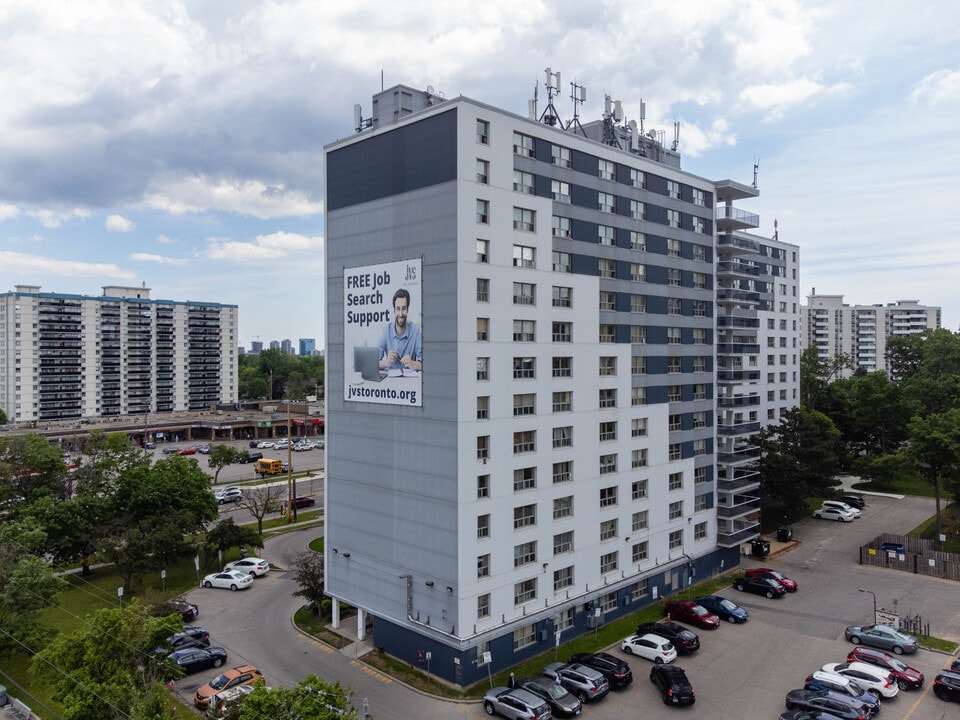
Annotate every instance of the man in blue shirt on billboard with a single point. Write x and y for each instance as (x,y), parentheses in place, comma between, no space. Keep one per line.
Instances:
(400,343)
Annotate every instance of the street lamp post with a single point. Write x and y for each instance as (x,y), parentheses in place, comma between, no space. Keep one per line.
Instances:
(874,601)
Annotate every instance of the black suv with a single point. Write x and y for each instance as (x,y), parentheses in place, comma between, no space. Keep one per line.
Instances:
(673,685)
(684,640)
(947,685)
(615,670)
(191,637)
(561,702)
(853,501)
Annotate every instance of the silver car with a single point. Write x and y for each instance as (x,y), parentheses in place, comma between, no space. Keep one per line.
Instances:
(581,680)
(516,704)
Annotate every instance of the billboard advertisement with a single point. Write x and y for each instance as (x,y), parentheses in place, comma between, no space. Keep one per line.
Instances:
(383,347)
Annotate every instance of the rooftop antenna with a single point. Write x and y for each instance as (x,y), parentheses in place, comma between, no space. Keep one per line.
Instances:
(676,136)
(532,104)
(756,170)
(776,232)
(578,93)
(550,116)
(612,114)
(358,122)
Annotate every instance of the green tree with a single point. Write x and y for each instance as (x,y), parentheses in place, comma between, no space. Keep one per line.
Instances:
(262,500)
(30,468)
(227,534)
(871,412)
(223,455)
(311,576)
(816,374)
(311,698)
(935,446)
(105,669)
(934,386)
(3,417)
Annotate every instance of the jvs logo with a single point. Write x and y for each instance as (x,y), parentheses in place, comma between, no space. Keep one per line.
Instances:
(411,273)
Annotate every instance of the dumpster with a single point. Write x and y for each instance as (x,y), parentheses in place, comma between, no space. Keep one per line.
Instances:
(784,534)
(760,548)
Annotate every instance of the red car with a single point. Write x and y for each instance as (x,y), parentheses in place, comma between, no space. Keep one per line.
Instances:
(788,584)
(692,613)
(188,451)
(908,678)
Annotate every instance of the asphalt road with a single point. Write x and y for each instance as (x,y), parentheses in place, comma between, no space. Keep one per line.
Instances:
(742,672)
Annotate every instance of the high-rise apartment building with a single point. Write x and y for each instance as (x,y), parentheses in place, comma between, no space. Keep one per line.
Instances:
(861,331)
(76,356)
(307,346)
(522,376)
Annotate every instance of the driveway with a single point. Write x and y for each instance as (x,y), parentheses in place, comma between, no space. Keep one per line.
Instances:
(741,672)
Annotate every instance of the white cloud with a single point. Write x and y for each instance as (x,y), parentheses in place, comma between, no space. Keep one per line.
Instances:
(25,264)
(148,257)
(245,197)
(8,212)
(942,86)
(164,240)
(264,247)
(54,218)
(776,98)
(118,223)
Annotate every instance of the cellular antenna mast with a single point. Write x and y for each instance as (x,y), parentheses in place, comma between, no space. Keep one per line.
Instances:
(756,170)
(550,116)
(612,114)
(578,93)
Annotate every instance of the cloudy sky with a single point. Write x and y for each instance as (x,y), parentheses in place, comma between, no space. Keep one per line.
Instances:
(179,144)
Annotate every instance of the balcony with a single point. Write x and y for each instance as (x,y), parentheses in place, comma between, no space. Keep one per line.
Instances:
(737,375)
(730,244)
(742,505)
(737,533)
(731,218)
(735,267)
(738,401)
(745,428)
(738,349)
(729,295)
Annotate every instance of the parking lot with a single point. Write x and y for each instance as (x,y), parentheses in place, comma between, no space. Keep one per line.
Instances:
(741,671)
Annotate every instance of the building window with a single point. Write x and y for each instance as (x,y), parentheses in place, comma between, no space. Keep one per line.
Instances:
(608,496)
(524,479)
(483,212)
(562,366)
(700,531)
(524,441)
(483,251)
(524,256)
(608,463)
(561,226)
(525,591)
(700,281)
(638,554)
(483,486)
(483,407)
(562,401)
(483,447)
(609,562)
(674,422)
(674,248)
(699,226)
(608,301)
(638,272)
(483,290)
(638,303)
(699,419)
(524,368)
(560,191)
(673,189)
(638,458)
(607,268)
(563,436)
(640,521)
(638,211)
(483,610)
(674,393)
(699,336)
(483,329)
(524,404)
(700,503)
(674,277)
(638,490)
(700,447)
(699,198)
(674,336)
(563,543)
(673,218)
(700,391)
(607,397)
(699,253)
(606,202)
(608,529)
(483,132)
(699,308)
(483,171)
(674,306)
(638,241)
(606,235)
(638,427)
(483,368)
(638,396)
(524,553)
(608,366)
(606,170)
(638,334)
(483,526)
(522,145)
(560,155)
(674,364)
(700,475)
(700,363)
(562,296)
(675,540)
(675,481)
(524,330)
(562,472)
(674,452)
(563,507)
(523,182)
(608,431)
(524,516)
(562,578)
(608,333)
(522,637)
(561,262)
(483,566)
(637,178)
(562,332)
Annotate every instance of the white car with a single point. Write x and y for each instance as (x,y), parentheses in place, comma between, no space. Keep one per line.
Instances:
(842,505)
(833,513)
(869,677)
(264,445)
(258,567)
(650,646)
(229,579)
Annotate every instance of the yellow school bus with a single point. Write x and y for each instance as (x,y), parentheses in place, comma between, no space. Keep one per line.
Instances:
(269,467)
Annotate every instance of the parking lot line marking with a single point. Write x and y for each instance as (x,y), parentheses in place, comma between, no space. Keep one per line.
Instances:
(920,696)
(386,680)
(323,646)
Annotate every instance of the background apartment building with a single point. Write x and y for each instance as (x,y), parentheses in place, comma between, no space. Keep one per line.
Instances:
(75,356)
(554,462)
(861,331)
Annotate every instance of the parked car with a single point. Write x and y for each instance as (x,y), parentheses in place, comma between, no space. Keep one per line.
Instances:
(193,660)
(946,685)
(685,641)
(723,608)
(265,445)
(301,501)
(301,447)
(869,677)
(789,584)
(188,451)
(187,610)
(149,446)
(241,675)
(203,449)
(584,682)
(254,443)
(171,449)
(808,715)
(229,495)
(672,682)
(650,646)
(192,636)
(833,513)
(843,706)
(258,567)
(232,579)
(516,704)
(854,501)
(562,702)
(842,506)
(883,637)
(908,678)
(822,680)
(760,586)
(616,671)
(692,613)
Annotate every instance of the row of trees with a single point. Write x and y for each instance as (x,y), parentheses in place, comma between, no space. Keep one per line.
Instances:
(275,374)
(870,425)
